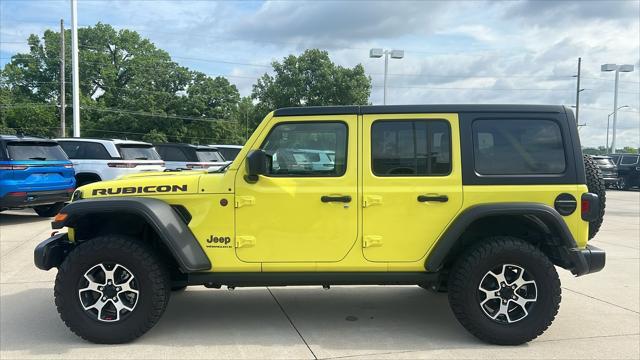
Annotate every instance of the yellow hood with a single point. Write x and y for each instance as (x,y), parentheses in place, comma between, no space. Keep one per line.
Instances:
(145,184)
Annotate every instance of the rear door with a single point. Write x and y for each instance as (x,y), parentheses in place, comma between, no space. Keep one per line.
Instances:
(412,185)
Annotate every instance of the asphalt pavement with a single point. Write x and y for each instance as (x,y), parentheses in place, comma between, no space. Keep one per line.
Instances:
(599,315)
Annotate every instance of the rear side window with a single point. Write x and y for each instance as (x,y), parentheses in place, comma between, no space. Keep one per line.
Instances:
(518,147)
(411,148)
(171,153)
(629,160)
(23,150)
(79,150)
(208,155)
(138,152)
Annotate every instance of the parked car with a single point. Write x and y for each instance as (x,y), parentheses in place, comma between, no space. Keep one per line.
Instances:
(496,200)
(628,170)
(190,157)
(106,159)
(608,169)
(34,173)
(229,152)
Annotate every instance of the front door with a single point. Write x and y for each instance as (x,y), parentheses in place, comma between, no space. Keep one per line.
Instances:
(305,208)
(412,183)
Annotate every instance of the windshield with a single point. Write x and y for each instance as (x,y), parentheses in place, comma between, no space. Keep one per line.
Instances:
(207,155)
(35,151)
(604,161)
(138,152)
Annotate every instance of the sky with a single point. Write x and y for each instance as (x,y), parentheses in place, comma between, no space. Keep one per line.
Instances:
(514,52)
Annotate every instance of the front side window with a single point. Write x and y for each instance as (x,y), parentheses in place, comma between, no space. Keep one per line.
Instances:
(411,148)
(138,152)
(307,149)
(518,147)
(628,160)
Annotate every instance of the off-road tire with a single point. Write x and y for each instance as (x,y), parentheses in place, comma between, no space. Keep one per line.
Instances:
(153,283)
(596,185)
(471,267)
(48,210)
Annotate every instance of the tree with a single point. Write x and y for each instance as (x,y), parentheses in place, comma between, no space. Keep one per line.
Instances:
(129,88)
(311,79)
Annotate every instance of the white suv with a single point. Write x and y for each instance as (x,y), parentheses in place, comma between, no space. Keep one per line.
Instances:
(97,159)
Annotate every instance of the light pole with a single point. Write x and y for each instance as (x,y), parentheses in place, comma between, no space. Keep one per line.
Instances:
(618,69)
(395,54)
(608,118)
(75,74)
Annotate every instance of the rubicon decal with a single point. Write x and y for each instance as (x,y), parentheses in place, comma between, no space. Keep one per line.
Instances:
(150,189)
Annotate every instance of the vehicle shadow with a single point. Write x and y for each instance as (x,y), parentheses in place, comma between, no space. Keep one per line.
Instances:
(345,320)
(19,217)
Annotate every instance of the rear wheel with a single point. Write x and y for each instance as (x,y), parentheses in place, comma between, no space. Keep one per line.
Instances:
(623,183)
(48,210)
(111,289)
(504,291)
(595,184)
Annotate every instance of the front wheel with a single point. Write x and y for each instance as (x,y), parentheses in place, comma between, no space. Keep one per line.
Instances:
(111,289)
(504,291)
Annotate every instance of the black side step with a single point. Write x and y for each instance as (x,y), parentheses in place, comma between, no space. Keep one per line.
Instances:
(233,279)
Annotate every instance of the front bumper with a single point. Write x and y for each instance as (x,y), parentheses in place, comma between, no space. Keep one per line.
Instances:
(588,260)
(35,198)
(51,252)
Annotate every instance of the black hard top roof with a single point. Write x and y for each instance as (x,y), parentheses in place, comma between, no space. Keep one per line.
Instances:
(399,109)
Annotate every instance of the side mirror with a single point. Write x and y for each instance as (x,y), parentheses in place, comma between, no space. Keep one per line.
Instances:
(256,165)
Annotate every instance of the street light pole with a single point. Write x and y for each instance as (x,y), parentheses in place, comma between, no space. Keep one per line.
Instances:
(75,73)
(378,53)
(618,69)
(609,118)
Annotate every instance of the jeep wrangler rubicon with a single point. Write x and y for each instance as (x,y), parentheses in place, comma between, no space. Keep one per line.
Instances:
(480,201)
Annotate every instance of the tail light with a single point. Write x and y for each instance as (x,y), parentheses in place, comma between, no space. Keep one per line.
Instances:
(196,166)
(17,193)
(13,167)
(123,165)
(589,206)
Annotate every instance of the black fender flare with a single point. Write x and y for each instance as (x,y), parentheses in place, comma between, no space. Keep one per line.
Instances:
(169,226)
(546,214)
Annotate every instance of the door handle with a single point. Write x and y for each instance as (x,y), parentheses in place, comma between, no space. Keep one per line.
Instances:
(327,198)
(436,198)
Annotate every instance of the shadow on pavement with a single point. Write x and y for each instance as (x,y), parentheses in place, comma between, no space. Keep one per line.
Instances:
(19,217)
(356,320)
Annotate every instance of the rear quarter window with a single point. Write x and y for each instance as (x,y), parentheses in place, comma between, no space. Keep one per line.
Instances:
(518,147)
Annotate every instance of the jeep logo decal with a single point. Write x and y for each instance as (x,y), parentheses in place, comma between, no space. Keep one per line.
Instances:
(140,189)
(218,241)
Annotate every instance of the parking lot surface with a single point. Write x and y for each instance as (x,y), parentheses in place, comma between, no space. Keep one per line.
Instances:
(599,315)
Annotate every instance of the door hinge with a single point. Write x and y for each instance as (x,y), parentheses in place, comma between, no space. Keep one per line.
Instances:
(245,241)
(372,241)
(371,200)
(245,200)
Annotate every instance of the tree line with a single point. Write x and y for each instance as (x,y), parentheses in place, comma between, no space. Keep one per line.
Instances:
(129,88)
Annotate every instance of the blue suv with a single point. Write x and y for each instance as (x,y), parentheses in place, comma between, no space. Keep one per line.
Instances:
(34,173)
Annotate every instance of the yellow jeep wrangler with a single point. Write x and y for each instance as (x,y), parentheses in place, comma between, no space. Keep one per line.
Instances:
(480,201)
